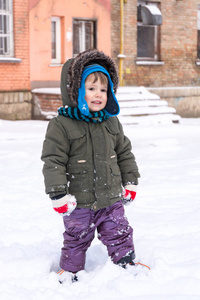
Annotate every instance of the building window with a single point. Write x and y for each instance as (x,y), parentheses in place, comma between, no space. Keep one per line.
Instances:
(198,32)
(6,29)
(55,40)
(149,19)
(84,35)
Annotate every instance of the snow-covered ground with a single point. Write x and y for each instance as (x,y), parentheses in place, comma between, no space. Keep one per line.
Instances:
(165,217)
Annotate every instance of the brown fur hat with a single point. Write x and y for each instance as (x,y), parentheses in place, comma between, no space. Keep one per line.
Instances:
(84,59)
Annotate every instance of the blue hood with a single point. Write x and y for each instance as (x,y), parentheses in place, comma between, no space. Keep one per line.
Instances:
(112,106)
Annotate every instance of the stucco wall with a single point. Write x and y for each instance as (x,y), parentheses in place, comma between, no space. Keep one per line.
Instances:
(15,105)
(43,73)
(186,100)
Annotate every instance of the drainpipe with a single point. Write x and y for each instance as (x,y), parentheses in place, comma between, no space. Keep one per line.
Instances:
(121,56)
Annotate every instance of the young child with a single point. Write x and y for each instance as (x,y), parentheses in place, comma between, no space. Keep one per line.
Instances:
(89,169)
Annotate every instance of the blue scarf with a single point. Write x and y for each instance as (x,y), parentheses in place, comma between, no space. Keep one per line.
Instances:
(74,113)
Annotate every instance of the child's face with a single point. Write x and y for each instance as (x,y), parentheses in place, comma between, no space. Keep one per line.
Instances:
(95,94)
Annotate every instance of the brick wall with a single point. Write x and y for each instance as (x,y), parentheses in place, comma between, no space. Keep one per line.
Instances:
(178,47)
(45,105)
(14,76)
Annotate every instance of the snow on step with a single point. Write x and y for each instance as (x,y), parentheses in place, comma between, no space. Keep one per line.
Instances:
(142,111)
(135,103)
(150,119)
(135,93)
(136,96)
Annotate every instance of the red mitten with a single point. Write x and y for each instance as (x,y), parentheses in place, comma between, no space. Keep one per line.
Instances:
(65,205)
(129,193)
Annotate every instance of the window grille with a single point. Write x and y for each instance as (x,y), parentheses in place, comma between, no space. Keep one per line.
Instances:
(84,35)
(198,32)
(55,40)
(148,36)
(6,28)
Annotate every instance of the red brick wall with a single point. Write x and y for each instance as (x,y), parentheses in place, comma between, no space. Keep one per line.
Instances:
(178,44)
(48,102)
(15,76)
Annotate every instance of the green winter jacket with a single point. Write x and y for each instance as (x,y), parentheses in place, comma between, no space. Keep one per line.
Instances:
(91,161)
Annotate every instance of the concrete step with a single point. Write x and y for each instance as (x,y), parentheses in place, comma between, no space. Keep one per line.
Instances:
(135,93)
(145,111)
(150,119)
(137,105)
(143,103)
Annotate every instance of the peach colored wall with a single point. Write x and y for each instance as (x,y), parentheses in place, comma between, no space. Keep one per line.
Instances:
(40,31)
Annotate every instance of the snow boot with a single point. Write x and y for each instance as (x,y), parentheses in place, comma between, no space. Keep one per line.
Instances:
(65,275)
(127,260)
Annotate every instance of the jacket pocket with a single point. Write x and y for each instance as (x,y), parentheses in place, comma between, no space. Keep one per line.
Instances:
(115,190)
(78,180)
(115,175)
(111,135)
(76,134)
(112,129)
(77,139)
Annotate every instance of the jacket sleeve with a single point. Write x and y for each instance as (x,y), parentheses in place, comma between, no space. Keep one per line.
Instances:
(55,156)
(126,159)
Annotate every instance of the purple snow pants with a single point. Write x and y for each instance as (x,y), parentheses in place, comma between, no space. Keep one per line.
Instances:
(113,230)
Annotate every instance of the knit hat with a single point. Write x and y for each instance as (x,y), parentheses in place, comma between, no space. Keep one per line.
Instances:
(112,106)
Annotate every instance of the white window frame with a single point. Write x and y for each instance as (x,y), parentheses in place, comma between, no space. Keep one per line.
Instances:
(57,58)
(6,34)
